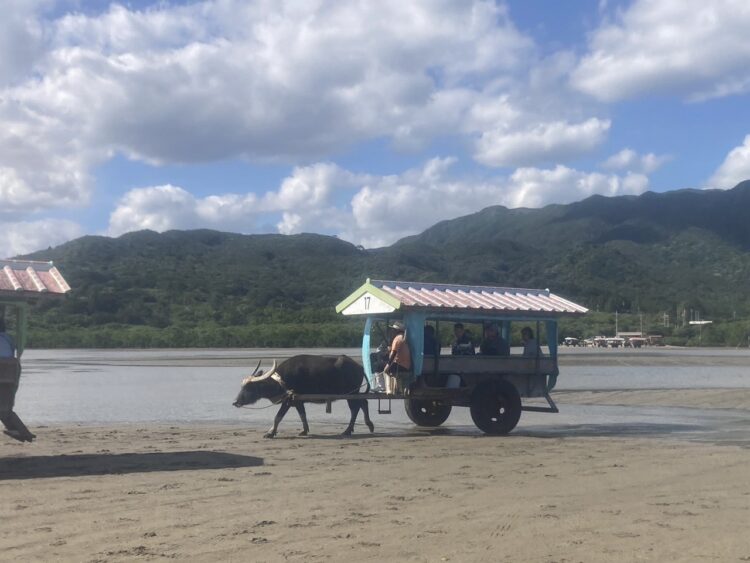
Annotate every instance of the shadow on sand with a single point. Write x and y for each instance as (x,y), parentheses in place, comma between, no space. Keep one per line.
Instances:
(612,430)
(36,467)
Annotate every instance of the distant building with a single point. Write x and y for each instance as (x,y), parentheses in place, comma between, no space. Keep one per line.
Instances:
(655,340)
(629,335)
(632,339)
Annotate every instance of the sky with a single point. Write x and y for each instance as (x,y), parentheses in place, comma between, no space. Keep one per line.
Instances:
(369,120)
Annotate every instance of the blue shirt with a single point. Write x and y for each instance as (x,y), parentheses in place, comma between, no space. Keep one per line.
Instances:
(7,346)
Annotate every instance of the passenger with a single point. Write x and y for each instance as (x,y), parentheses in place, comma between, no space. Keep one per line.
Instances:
(493,344)
(431,344)
(462,344)
(7,346)
(530,345)
(399,355)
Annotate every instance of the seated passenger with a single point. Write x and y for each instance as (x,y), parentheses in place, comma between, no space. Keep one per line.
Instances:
(431,344)
(7,346)
(493,344)
(462,344)
(530,345)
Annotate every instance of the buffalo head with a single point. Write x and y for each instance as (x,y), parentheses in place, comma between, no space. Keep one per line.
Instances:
(254,386)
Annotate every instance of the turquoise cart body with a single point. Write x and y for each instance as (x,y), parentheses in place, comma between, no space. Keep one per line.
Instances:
(492,386)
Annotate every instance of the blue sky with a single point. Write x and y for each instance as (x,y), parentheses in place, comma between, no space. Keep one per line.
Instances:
(370,120)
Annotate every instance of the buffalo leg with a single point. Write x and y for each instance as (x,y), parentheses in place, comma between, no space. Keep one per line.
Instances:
(300,406)
(354,407)
(366,412)
(279,415)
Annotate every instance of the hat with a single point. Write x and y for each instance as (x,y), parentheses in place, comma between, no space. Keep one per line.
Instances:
(398,325)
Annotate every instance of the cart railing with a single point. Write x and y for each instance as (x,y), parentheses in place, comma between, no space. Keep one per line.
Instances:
(517,365)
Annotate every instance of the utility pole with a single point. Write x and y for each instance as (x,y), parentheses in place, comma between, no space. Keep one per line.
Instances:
(616,331)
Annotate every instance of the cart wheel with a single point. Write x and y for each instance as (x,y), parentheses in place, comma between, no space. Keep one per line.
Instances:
(495,407)
(425,412)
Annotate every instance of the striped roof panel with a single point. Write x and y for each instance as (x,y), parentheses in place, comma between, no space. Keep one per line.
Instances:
(480,298)
(24,278)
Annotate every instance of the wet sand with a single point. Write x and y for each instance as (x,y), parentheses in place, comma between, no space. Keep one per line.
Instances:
(220,492)
(688,398)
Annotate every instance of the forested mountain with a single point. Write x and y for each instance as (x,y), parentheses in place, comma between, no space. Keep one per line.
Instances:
(670,252)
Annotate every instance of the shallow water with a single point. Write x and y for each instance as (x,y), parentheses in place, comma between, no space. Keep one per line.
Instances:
(181,386)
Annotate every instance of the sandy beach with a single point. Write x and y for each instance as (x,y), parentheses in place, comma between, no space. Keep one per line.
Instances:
(220,492)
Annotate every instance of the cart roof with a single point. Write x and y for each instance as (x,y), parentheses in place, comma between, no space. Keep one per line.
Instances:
(383,297)
(24,280)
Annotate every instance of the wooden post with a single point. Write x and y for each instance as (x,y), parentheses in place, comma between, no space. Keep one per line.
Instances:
(22,317)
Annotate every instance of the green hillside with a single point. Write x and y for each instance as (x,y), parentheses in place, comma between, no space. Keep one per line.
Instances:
(672,253)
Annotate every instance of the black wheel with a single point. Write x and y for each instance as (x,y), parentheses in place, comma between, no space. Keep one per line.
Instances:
(495,407)
(426,412)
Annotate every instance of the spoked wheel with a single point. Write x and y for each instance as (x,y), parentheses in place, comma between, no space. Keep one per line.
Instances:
(426,412)
(495,407)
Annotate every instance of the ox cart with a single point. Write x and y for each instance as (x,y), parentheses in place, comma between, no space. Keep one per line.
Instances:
(22,283)
(496,388)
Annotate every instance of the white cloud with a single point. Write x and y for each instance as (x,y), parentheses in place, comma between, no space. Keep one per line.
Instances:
(21,38)
(545,142)
(396,206)
(630,161)
(363,208)
(734,169)
(691,48)
(310,187)
(223,79)
(267,80)
(161,208)
(24,237)
(278,80)
(534,187)
(43,162)
(270,80)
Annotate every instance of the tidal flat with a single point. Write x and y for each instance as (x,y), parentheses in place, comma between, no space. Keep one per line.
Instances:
(140,455)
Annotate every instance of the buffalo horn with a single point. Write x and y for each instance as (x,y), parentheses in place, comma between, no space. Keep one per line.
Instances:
(252,376)
(265,375)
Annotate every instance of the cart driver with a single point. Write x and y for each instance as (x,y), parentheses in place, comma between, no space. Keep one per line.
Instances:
(399,355)
(7,346)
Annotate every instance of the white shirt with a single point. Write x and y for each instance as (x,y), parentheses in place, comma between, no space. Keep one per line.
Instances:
(531,348)
(7,346)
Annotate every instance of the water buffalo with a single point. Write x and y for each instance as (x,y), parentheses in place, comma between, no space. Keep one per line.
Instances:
(306,375)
